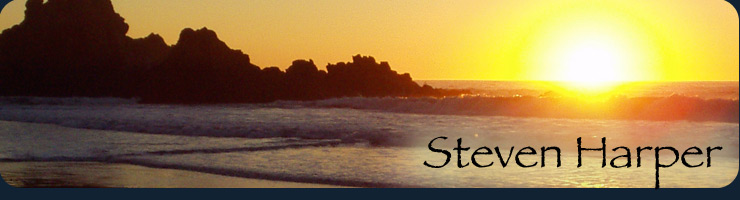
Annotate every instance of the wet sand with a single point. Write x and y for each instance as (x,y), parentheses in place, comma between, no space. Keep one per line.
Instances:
(105,175)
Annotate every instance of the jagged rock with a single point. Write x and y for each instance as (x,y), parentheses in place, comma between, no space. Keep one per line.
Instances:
(305,81)
(202,69)
(365,77)
(71,48)
(146,52)
(80,48)
(65,33)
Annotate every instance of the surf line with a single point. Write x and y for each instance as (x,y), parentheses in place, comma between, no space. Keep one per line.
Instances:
(532,151)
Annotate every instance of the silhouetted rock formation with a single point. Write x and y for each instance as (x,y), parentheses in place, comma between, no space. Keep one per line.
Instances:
(349,79)
(72,48)
(146,53)
(305,82)
(203,69)
(80,48)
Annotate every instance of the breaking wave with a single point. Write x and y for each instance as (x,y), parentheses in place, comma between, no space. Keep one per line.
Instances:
(379,121)
(66,101)
(674,107)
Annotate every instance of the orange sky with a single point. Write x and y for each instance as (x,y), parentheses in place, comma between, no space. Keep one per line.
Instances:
(582,40)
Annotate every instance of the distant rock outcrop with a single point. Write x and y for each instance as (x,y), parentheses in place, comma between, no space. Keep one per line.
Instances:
(349,79)
(80,48)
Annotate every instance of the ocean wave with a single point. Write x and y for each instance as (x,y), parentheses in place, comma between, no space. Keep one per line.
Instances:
(367,166)
(26,100)
(674,107)
(245,121)
(44,142)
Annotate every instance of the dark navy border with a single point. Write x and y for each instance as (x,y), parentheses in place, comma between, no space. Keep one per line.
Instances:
(8,192)
(3,3)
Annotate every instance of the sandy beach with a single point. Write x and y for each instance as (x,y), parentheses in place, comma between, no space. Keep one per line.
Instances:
(105,175)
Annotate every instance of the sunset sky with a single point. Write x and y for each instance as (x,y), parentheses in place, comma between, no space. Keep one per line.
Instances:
(577,40)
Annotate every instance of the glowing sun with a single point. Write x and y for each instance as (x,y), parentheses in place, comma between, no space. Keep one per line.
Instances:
(592,64)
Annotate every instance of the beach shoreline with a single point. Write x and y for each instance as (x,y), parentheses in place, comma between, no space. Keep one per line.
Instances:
(116,175)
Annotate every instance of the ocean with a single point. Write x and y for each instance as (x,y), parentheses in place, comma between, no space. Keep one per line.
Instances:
(384,142)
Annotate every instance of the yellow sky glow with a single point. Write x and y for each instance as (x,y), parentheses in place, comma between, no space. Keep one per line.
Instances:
(566,40)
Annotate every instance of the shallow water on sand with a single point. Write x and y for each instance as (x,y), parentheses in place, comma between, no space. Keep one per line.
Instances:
(105,175)
(382,142)
(363,165)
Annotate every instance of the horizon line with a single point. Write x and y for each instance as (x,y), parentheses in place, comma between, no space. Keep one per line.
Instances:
(626,81)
